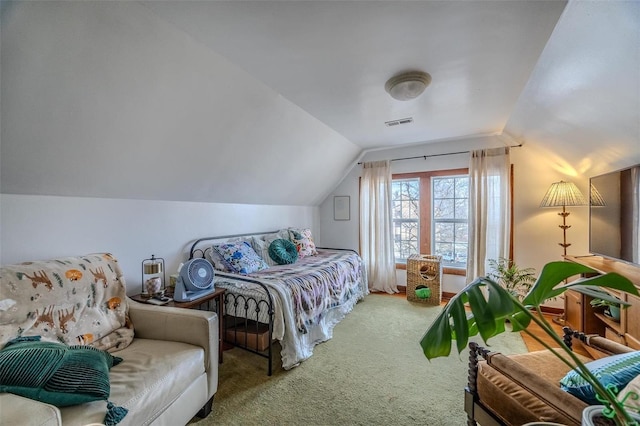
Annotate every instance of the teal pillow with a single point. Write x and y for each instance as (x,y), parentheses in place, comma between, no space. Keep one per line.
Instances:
(616,370)
(57,374)
(283,252)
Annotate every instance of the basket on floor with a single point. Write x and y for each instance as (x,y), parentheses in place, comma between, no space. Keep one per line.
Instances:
(424,275)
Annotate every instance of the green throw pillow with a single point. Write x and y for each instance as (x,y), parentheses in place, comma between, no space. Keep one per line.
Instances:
(283,252)
(57,374)
(616,370)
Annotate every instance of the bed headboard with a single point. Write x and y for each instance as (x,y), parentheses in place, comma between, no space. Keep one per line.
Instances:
(199,248)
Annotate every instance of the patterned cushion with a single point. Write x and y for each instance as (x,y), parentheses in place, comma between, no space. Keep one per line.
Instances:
(616,370)
(216,260)
(283,252)
(74,300)
(261,245)
(623,396)
(304,241)
(240,257)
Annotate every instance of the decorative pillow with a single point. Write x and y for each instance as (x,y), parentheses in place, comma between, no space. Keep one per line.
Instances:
(216,260)
(283,252)
(74,300)
(57,374)
(240,257)
(616,370)
(261,245)
(304,241)
(628,401)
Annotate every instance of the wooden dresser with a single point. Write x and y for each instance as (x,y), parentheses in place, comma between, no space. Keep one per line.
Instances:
(580,315)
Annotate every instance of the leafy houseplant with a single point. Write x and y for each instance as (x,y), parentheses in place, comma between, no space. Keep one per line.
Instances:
(612,309)
(488,316)
(514,279)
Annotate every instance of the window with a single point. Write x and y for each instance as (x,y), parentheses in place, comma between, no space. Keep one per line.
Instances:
(430,212)
(450,214)
(406,216)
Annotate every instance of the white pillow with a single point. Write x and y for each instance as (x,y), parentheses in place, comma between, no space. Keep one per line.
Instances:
(261,245)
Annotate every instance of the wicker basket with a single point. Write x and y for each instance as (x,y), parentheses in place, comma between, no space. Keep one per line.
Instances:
(424,275)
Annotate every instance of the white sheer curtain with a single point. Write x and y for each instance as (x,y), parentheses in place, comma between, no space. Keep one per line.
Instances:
(489,209)
(376,226)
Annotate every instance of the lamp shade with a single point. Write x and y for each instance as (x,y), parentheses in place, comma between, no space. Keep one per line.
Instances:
(596,199)
(563,194)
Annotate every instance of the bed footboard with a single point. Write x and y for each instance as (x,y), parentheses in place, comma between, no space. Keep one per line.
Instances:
(244,321)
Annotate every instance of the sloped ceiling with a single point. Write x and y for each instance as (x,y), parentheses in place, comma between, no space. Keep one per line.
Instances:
(582,102)
(271,102)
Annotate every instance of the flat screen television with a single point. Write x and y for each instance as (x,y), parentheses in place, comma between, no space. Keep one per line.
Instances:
(614,215)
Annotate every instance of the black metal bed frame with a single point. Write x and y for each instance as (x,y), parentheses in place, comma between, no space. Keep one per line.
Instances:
(241,303)
(244,324)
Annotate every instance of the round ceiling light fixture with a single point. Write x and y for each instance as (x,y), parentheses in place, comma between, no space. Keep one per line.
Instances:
(408,85)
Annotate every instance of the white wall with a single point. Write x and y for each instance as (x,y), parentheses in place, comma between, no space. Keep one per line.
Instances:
(105,99)
(43,227)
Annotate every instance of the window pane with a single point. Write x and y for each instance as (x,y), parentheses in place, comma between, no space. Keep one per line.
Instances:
(443,208)
(446,251)
(450,219)
(443,188)
(462,187)
(406,215)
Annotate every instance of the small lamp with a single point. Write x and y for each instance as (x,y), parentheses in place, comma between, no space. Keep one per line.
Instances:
(563,194)
(153,278)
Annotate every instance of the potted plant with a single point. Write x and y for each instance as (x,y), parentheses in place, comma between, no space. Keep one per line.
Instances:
(611,309)
(489,314)
(515,280)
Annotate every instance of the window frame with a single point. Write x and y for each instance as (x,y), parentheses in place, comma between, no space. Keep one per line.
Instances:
(425,234)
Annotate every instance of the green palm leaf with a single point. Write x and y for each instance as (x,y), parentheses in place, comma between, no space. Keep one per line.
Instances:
(474,311)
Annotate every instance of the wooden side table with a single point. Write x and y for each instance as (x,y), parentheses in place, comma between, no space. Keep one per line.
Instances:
(203,303)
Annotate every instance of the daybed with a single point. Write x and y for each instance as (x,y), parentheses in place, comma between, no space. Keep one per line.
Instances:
(78,307)
(524,388)
(297,304)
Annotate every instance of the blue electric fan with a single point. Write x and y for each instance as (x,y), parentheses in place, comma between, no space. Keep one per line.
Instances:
(195,280)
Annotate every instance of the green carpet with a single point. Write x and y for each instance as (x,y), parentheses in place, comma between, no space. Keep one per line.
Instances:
(372,372)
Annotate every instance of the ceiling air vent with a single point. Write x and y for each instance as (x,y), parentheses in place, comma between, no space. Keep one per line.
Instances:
(399,122)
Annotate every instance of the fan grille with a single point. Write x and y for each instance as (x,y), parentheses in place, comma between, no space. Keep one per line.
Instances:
(200,273)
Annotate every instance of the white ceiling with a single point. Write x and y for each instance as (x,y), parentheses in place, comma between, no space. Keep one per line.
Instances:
(332,58)
(274,102)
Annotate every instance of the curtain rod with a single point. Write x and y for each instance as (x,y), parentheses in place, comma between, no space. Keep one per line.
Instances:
(440,155)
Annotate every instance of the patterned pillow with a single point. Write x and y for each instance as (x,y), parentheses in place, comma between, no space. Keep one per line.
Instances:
(616,370)
(216,260)
(74,300)
(304,241)
(261,245)
(623,396)
(240,257)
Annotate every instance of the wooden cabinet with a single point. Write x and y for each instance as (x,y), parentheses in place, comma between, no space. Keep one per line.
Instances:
(580,315)
(573,312)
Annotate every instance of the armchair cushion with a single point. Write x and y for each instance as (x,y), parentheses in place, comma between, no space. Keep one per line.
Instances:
(525,388)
